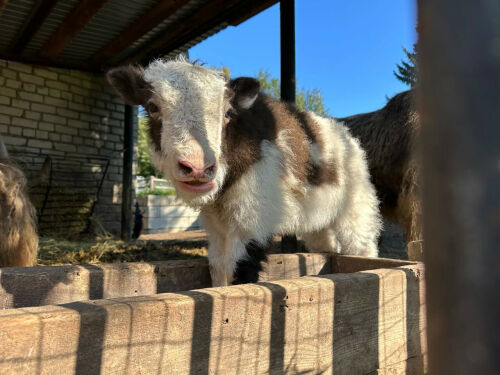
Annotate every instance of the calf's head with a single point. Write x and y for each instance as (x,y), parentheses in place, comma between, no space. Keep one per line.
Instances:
(189,108)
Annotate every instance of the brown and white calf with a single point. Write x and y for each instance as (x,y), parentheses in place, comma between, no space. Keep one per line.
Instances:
(255,166)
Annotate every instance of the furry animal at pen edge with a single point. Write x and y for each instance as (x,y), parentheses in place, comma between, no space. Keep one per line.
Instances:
(254,166)
(390,137)
(18,234)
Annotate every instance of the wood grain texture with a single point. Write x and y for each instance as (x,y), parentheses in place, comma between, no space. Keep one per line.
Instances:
(362,323)
(352,263)
(36,286)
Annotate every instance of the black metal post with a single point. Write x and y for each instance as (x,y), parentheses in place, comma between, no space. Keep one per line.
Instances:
(287,37)
(128,157)
(459,94)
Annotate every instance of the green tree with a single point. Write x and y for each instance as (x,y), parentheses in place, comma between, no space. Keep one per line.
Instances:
(310,100)
(407,70)
(144,163)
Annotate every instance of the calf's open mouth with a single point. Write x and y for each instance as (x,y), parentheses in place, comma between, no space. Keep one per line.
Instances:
(197,186)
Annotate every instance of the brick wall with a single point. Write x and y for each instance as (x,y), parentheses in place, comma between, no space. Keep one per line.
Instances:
(62,112)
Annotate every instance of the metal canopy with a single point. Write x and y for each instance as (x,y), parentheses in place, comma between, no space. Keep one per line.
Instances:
(93,35)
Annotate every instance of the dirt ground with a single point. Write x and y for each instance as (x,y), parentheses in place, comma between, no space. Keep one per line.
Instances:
(168,246)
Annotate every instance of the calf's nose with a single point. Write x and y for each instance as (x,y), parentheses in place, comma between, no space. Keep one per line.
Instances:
(188,169)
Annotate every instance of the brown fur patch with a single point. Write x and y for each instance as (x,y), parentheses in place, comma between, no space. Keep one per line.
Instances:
(316,175)
(265,120)
(18,236)
(154,129)
(129,82)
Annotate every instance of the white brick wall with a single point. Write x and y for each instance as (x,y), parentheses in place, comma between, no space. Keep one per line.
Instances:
(66,113)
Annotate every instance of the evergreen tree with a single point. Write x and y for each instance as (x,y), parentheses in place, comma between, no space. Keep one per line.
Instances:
(407,70)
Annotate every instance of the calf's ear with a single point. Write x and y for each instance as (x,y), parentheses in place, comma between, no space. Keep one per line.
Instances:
(245,90)
(129,82)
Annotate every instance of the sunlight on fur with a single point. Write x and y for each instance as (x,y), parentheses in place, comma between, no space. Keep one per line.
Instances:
(18,235)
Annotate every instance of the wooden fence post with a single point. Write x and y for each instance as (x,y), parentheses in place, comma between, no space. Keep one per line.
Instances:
(459,100)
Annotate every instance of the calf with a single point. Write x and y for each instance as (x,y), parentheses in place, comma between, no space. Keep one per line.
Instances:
(18,236)
(390,137)
(254,166)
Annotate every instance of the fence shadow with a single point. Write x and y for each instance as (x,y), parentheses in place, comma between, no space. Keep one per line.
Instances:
(31,288)
(413,328)
(90,338)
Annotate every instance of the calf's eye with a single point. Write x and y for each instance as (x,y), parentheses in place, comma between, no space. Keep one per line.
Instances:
(227,115)
(152,108)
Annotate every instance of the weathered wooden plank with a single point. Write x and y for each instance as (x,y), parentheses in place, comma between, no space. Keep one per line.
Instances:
(76,20)
(458,94)
(286,266)
(35,286)
(352,263)
(344,324)
(412,366)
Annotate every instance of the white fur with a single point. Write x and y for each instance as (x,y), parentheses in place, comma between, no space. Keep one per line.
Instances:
(247,102)
(339,217)
(190,99)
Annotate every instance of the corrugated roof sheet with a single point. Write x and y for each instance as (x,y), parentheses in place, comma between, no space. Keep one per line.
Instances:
(51,23)
(111,19)
(12,20)
(109,22)
(164,26)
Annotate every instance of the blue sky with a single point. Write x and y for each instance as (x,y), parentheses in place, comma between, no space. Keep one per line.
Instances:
(347,49)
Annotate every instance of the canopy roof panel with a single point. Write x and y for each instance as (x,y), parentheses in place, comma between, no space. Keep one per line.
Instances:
(94,35)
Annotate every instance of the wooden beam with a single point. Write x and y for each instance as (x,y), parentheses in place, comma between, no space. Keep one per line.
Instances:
(208,17)
(3,3)
(352,263)
(459,91)
(74,22)
(214,11)
(58,63)
(36,286)
(41,9)
(256,10)
(141,26)
(363,323)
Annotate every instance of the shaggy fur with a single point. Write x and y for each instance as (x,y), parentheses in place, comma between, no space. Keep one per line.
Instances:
(18,236)
(390,139)
(278,169)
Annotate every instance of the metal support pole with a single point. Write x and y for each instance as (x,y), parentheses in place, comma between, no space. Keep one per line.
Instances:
(287,37)
(128,157)
(459,101)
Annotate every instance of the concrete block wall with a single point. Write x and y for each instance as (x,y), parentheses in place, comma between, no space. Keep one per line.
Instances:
(63,112)
(163,214)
